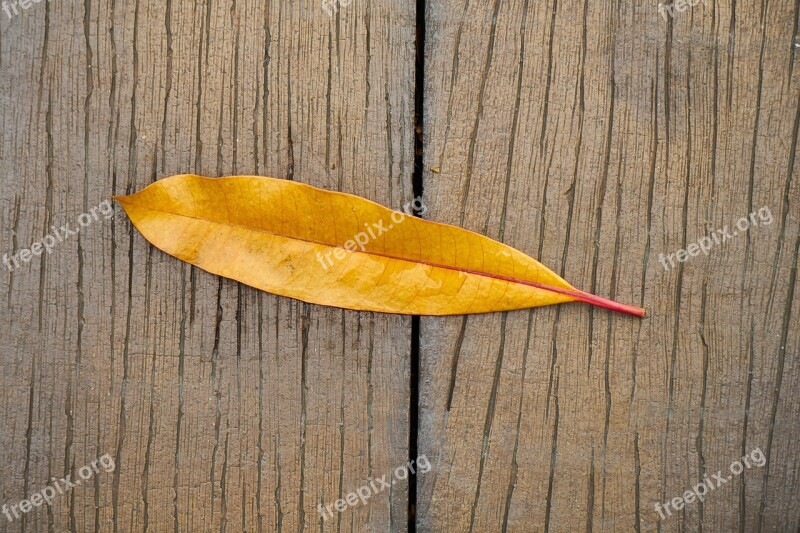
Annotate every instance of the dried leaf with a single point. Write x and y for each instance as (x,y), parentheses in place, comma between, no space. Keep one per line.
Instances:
(337,249)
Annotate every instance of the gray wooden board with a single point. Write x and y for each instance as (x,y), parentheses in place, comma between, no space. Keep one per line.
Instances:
(595,136)
(224,408)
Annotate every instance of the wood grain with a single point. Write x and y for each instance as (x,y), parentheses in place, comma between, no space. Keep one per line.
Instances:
(224,408)
(595,136)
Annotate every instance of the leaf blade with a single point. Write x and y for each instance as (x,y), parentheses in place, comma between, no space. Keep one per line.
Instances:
(286,238)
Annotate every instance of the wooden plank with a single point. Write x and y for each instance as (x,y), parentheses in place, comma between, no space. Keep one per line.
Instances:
(224,408)
(594,137)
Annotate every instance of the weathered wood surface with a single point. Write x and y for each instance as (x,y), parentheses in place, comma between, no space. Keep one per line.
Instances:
(225,408)
(594,136)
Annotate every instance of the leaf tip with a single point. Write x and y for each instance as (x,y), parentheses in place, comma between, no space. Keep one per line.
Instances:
(121,199)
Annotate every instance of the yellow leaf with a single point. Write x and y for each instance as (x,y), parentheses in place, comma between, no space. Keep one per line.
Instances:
(336,249)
